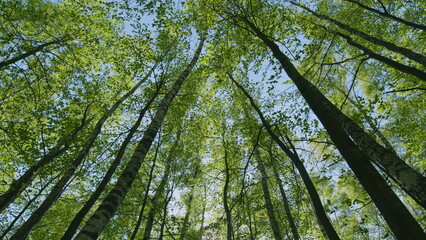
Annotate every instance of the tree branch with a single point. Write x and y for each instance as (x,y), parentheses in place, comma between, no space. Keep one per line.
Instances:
(406,90)
(343,61)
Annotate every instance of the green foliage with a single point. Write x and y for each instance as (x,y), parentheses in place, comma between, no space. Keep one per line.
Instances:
(98,50)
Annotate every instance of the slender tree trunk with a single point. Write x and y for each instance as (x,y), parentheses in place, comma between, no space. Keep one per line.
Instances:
(159,192)
(399,219)
(149,222)
(287,209)
(264,181)
(229,230)
(250,223)
(29,53)
(72,228)
(392,63)
(389,16)
(108,207)
(145,197)
(316,201)
(417,57)
(267,196)
(17,217)
(254,232)
(290,218)
(169,196)
(189,206)
(186,218)
(203,212)
(19,185)
(25,229)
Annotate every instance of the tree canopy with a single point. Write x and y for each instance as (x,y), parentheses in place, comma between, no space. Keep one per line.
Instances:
(212,119)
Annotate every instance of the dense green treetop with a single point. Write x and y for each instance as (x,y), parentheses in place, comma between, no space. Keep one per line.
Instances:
(64,63)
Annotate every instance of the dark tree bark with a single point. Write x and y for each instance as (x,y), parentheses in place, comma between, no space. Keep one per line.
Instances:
(290,218)
(169,196)
(203,213)
(316,201)
(389,16)
(399,219)
(72,228)
(225,198)
(267,196)
(24,209)
(369,121)
(156,200)
(108,207)
(413,182)
(189,205)
(56,191)
(228,214)
(29,53)
(19,185)
(387,145)
(394,64)
(145,197)
(250,222)
(264,182)
(417,57)
(184,228)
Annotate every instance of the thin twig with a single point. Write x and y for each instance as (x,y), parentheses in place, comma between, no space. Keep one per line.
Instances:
(353,82)
(346,60)
(406,90)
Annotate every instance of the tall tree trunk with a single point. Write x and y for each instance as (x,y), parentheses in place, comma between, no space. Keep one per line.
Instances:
(203,213)
(72,228)
(17,217)
(389,16)
(387,145)
(409,178)
(108,207)
(413,182)
(169,196)
(19,185)
(228,214)
(29,53)
(159,192)
(145,197)
(316,201)
(189,205)
(290,218)
(25,229)
(392,63)
(267,196)
(264,181)
(399,219)
(417,57)
(250,223)
(187,214)
(369,121)
(287,208)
